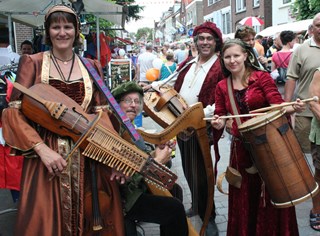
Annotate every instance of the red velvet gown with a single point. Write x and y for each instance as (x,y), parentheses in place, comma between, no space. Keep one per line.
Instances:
(250,210)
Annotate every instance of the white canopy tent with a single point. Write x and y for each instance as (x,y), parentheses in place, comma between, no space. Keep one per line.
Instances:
(32,12)
(227,36)
(294,26)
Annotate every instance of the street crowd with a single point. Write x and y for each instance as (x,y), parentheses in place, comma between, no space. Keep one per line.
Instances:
(62,190)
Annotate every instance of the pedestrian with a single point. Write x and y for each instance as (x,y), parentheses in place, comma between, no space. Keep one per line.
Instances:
(26,47)
(168,67)
(314,89)
(275,47)
(303,63)
(247,34)
(193,52)
(250,211)
(258,45)
(144,63)
(7,56)
(281,59)
(181,54)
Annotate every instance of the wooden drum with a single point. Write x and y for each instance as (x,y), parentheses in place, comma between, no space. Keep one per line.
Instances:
(279,159)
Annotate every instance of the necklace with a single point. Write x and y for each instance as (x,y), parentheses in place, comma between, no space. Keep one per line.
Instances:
(57,66)
(64,61)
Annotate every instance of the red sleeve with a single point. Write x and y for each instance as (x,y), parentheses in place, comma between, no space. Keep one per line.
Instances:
(270,88)
(220,98)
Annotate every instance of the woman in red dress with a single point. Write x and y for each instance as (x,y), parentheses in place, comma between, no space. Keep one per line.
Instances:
(250,209)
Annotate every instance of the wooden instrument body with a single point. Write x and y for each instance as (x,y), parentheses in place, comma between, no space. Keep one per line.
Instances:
(174,123)
(89,224)
(279,159)
(39,114)
(164,106)
(110,149)
(97,209)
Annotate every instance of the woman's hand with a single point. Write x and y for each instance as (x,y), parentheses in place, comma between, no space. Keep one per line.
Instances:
(298,107)
(51,159)
(229,123)
(119,176)
(218,123)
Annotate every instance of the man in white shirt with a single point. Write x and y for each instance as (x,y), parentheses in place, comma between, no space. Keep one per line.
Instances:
(144,63)
(196,82)
(181,54)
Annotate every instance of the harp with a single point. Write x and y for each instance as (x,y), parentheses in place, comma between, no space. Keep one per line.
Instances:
(168,111)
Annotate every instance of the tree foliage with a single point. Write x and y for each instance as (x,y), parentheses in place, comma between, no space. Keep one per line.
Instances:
(103,24)
(132,14)
(145,34)
(133,10)
(306,9)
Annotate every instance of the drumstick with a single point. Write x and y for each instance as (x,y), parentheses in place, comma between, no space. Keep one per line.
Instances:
(234,116)
(315,98)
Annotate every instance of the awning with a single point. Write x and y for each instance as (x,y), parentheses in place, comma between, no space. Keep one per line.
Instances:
(228,36)
(294,26)
(124,40)
(31,12)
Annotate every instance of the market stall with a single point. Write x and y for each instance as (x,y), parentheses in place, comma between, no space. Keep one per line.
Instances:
(297,26)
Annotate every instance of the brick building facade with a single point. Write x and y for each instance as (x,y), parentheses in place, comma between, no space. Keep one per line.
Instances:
(22,32)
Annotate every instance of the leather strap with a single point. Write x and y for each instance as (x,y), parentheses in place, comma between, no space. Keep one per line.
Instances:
(282,61)
(136,138)
(219,183)
(252,169)
(232,101)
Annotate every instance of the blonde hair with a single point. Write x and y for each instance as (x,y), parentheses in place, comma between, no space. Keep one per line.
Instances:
(169,55)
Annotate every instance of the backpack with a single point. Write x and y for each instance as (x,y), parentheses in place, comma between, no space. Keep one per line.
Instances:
(282,78)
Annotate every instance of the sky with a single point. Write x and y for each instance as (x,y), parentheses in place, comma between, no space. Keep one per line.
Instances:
(152,12)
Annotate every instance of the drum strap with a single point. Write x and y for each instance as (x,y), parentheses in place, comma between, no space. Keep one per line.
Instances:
(251,170)
(232,101)
(122,117)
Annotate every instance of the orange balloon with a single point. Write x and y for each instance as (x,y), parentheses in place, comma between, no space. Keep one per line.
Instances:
(152,74)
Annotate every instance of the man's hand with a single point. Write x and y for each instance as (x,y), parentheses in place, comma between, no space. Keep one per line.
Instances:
(119,176)
(263,60)
(163,152)
(145,86)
